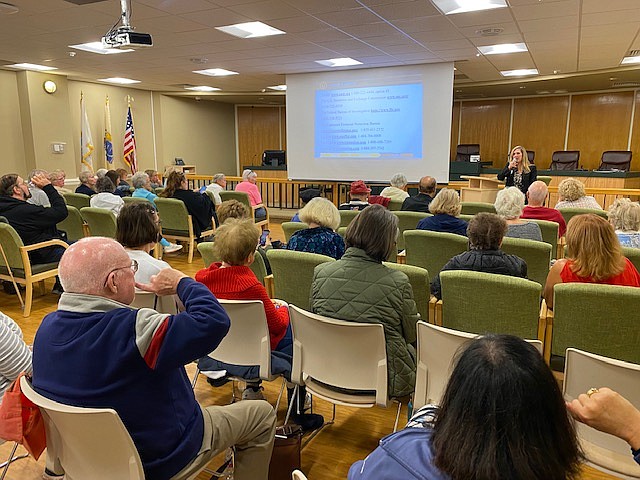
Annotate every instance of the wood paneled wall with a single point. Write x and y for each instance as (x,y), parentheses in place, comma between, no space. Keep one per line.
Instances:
(259,129)
(487,123)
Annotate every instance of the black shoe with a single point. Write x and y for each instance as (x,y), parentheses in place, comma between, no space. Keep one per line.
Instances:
(218,382)
(9,288)
(57,289)
(308,421)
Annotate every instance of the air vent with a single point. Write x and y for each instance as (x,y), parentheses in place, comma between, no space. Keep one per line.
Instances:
(633,53)
(490,32)
(626,84)
(84,2)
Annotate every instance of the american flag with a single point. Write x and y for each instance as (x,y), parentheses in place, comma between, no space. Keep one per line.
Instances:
(130,144)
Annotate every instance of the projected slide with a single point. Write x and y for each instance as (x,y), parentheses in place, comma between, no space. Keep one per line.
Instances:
(369,122)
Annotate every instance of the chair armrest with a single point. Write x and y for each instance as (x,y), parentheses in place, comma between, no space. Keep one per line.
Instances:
(432,309)
(48,243)
(401,258)
(545,330)
(269,285)
(562,242)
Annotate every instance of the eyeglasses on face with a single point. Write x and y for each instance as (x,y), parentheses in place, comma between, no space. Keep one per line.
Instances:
(133,266)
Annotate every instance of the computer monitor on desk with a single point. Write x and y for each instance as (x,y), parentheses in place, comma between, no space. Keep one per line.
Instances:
(274,158)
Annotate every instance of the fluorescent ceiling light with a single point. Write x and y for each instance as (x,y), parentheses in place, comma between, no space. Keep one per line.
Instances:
(339,62)
(97,47)
(215,72)
(279,88)
(32,66)
(118,80)
(523,72)
(503,48)
(250,30)
(449,7)
(630,60)
(202,88)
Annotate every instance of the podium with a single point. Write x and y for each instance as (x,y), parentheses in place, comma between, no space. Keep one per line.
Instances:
(480,189)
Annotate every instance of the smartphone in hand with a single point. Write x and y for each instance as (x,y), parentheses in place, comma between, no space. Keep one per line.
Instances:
(263,237)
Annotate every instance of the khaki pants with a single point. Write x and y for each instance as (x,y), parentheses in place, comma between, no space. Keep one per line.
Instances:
(250,426)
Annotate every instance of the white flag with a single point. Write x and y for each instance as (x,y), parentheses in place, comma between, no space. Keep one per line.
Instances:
(86,142)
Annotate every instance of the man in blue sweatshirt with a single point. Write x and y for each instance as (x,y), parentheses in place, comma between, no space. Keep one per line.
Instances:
(96,351)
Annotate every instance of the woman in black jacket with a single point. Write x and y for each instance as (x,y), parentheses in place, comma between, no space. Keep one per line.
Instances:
(199,205)
(519,172)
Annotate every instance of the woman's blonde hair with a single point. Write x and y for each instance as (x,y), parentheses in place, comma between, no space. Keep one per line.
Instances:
(236,240)
(446,201)
(321,211)
(509,203)
(571,189)
(525,157)
(624,215)
(594,247)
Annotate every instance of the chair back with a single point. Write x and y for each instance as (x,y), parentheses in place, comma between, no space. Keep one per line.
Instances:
(601,319)
(342,231)
(289,228)
(208,253)
(569,213)
(544,178)
(101,222)
(241,197)
(347,355)
(211,196)
(465,150)
(432,250)
(135,199)
(615,159)
(258,267)
(248,341)
(73,225)
(88,442)
(158,190)
(549,232)
(159,303)
(437,348)
(407,221)
(481,302)
(531,155)
(174,215)
(10,242)
(536,254)
(633,254)
(395,205)
(584,370)
(346,216)
(293,274)
(565,160)
(78,200)
(471,208)
(419,280)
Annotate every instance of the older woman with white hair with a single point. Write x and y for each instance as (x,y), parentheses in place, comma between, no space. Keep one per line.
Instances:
(573,195)
(218,185)
(624,215)
(398,189)
(509,205)
(248,186)
(323,218)
(445,209)
(87,183)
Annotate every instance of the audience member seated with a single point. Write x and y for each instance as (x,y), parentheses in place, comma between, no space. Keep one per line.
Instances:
(138,231)
(502,417)
(145,382)
(624,215)
(445,209)
(323,219)
(219,184)
(248,186)
(593,255)
(305,196)
(232,279)
(420,202)
(101,172)
(142,184)
(519,172)
(485,232)
(535,210)
(199,205)
(115,179)
(154,178)
(57,178)
(15,355)
(572,195)
(38,197)
(359,288)
(106,198)
(398,189)
(510,205)
(122,181)
(87,183)
(358,196)
(609,412)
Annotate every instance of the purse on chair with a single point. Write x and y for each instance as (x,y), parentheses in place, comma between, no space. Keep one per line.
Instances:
(286,452)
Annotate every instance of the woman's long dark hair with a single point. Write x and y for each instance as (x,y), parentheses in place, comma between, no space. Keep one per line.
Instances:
(503,417)
(174,182)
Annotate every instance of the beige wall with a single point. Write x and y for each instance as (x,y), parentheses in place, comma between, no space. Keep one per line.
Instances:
(13,158)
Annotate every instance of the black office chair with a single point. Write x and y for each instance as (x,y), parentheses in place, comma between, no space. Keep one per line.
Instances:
(565,160)
(531,155)
(465,150)
(615,160)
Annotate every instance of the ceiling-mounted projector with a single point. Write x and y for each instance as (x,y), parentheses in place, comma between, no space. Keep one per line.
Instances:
(125,37)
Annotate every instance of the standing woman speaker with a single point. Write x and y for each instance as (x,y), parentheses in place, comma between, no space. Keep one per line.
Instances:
(519,172)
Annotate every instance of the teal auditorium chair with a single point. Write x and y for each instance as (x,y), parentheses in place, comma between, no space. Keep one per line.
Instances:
(101,222)
(78,200)
(419,280)
(471,208)
(432,250)
(569,213)
(407,221)
(289,228)
(73,225)
(537,256)
(549,232)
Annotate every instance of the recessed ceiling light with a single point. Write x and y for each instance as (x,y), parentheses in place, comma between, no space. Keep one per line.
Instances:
(202,88)
(339,62)
(503,48)
(279,88)
(32,66)
(630,60)
(97,47)
(215,72)
(250,30)
(8,9)
(449,7)
(118,80)
(523,72)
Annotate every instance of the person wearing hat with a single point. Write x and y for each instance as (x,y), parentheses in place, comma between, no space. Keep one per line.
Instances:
(305,195)
(359,194)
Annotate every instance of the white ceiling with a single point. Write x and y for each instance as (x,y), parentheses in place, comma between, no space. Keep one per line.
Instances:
(576,45)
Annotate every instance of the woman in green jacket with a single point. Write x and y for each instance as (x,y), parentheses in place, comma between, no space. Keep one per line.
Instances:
(359,288)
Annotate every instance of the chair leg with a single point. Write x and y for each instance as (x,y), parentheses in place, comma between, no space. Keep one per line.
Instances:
(395,425)
(192,243)
(5,465)
(284,382)
(195,378)
(28,298)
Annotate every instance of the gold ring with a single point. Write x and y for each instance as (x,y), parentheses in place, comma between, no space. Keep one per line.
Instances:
(591,391)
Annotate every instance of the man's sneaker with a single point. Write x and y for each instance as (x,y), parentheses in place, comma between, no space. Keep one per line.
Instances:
(49,475)
(308,421)
(253,393)
(172,248)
